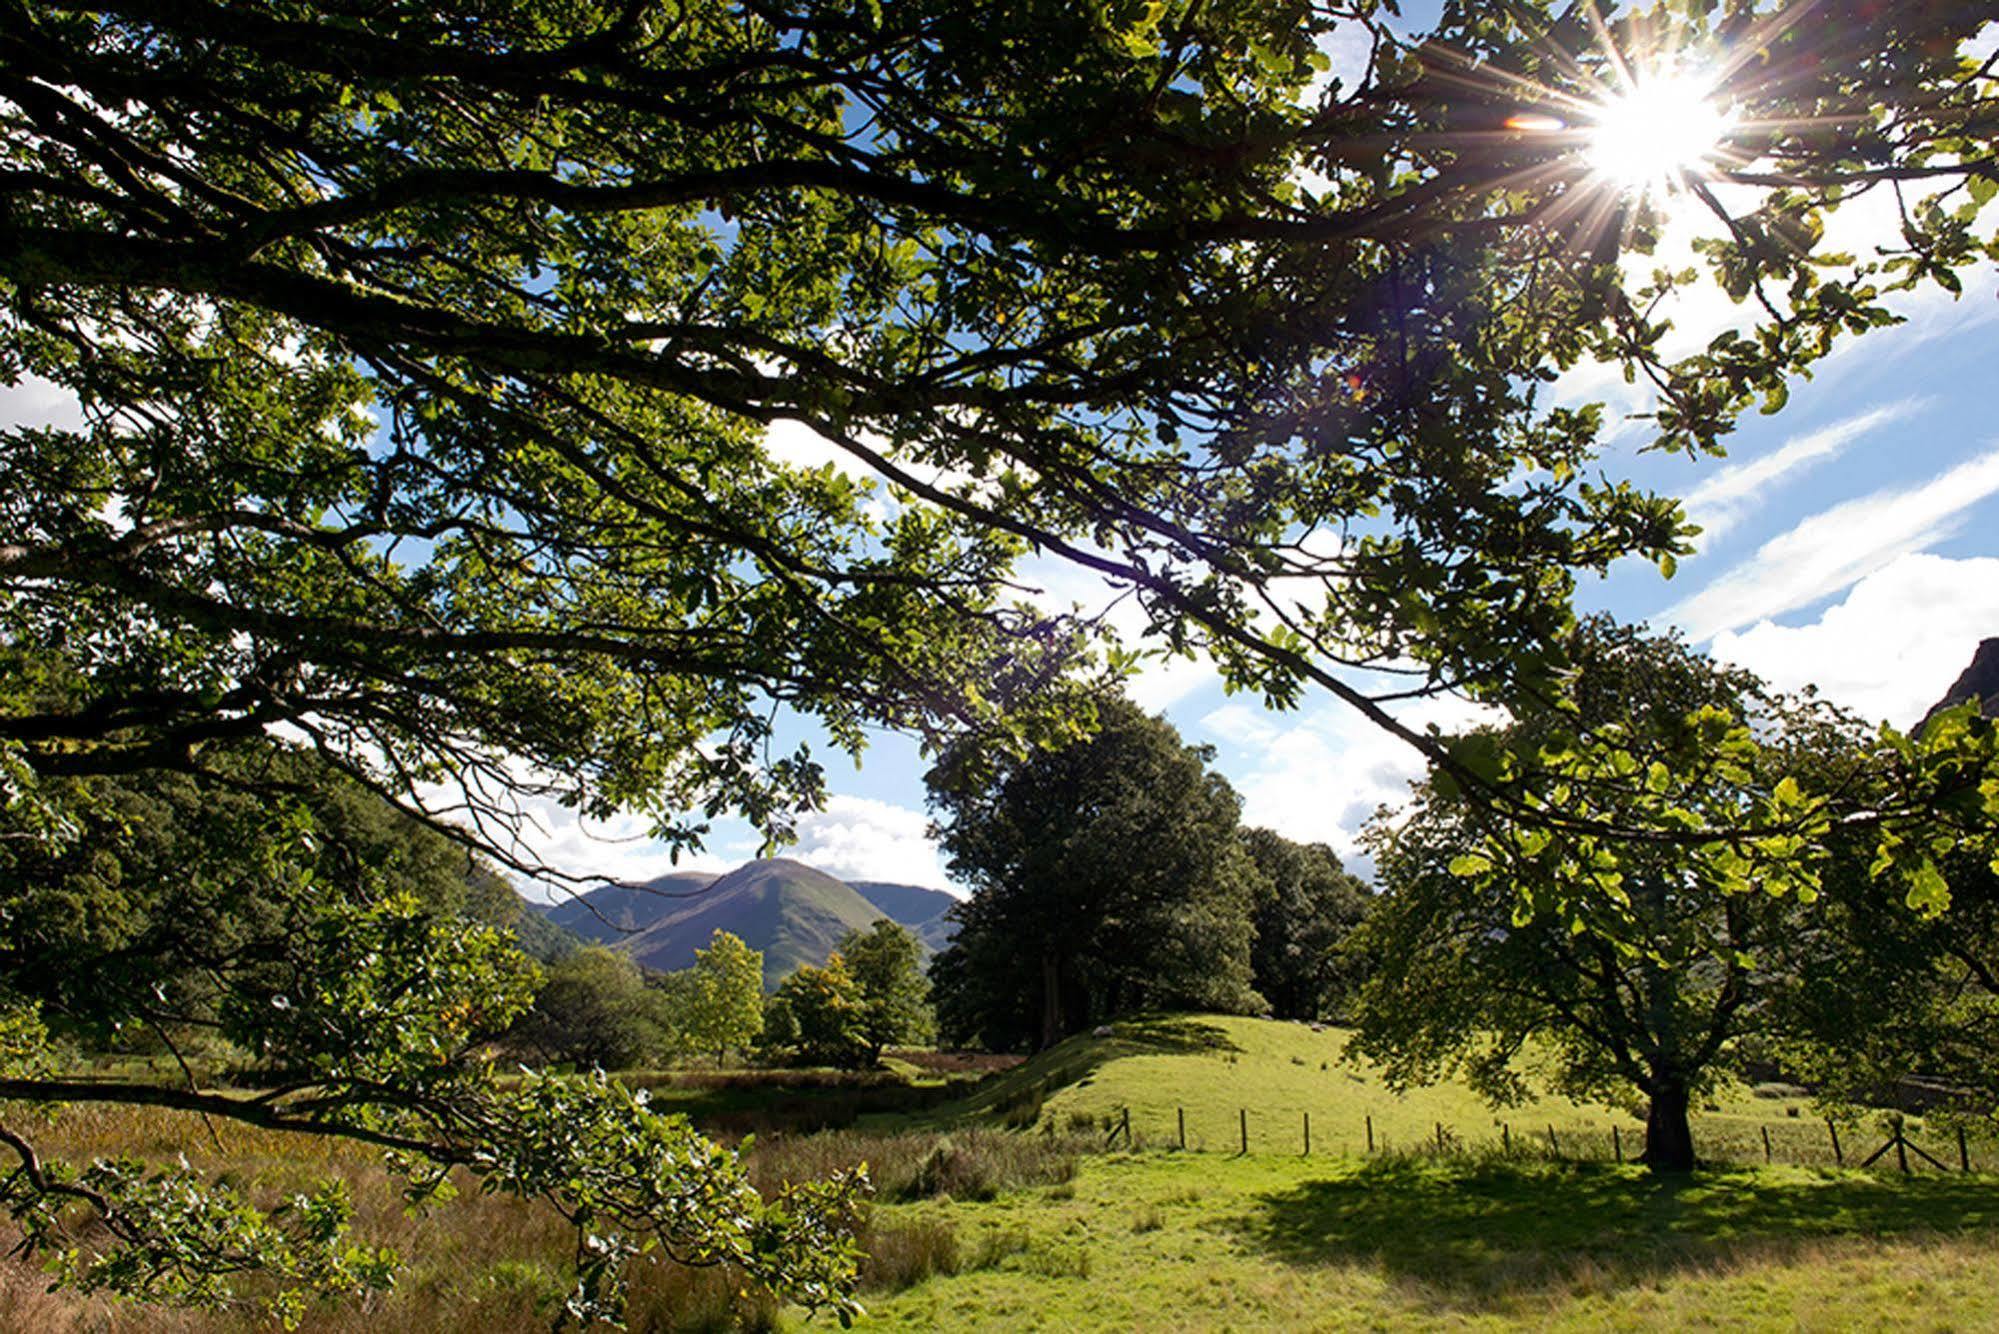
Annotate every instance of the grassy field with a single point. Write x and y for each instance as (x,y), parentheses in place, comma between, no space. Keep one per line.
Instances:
(976,1227)
(1164,1241)
(1214,1068)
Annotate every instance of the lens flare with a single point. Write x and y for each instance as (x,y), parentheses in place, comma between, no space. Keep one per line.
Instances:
(1664,127)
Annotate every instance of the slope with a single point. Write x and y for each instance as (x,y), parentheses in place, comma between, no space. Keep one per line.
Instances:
(794,914)
(1225,1072)
(1979,681)
(911,905)
(614,912)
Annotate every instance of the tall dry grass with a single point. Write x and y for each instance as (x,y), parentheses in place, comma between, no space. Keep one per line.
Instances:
(483,1264)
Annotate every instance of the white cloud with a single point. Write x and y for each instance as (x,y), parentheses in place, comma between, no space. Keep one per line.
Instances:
(1732,494)
(1894,645)
(799,446)
(1985,45)
(1058,585)
(1319,775)
(33,401)
(860,838)
(1836,548)
(1349,46)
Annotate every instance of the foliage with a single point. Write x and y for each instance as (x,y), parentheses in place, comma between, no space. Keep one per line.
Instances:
(438,368)
(1892,1006)
(720,1005)
(1654,993)
(169,888)
(1106,877)
(887,964)
(1305,906)
(370,1015)
(425,361)
(820,1016)
(594,1009)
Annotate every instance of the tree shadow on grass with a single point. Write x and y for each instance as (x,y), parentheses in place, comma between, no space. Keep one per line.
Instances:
(1478,1235)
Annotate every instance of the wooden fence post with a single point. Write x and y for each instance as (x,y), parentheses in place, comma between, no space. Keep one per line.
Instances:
(1180,1113)
(1766,1144)
(1554,1148)
(1308,1134)
(1616,1142)
(1370,1133)
(1505,1138)
(1963,1153)
(1242,1114)
(1127,1127)
(1440,1137)
(1838,1154)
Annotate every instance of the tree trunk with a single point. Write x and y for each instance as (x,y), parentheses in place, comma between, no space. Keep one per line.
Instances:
(1051,1000)
(1669,1139)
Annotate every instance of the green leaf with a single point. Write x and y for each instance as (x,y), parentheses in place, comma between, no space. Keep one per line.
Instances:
(1929,892)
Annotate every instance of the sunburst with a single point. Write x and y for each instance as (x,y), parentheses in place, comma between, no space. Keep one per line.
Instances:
(1665,127)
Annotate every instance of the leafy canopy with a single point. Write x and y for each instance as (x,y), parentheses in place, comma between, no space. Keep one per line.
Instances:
(430,356)
(887,963)
(1106,877)
(1653,993)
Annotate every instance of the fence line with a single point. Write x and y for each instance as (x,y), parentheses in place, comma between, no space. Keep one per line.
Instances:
(1569,1144)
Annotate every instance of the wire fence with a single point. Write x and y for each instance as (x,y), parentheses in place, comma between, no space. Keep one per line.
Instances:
(1889,1143)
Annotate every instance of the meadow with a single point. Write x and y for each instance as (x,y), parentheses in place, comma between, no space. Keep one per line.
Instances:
(977,1225)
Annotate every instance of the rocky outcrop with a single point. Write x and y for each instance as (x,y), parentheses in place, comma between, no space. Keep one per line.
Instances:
(1980,682)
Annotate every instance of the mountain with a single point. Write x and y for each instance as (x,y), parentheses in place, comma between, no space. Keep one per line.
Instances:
(616,912)
(926,912)
(794,914)
(1980,681)
(935,934)
(908,904)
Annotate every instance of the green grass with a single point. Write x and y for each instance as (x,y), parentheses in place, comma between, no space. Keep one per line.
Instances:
(1164,1241)
(976,1228)
(1213,1068)
(1407,1238)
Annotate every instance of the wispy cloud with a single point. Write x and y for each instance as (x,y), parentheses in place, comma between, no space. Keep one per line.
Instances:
(1835,548)
(1725,499)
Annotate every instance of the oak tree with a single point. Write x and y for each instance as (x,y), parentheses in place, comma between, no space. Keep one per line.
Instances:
(1478,972)
(887,963)
(1106,877)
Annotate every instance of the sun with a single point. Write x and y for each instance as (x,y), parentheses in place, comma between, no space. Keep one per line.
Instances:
(1657,131)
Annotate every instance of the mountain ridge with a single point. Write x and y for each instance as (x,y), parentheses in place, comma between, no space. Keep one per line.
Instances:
(1979,681)
(793,912)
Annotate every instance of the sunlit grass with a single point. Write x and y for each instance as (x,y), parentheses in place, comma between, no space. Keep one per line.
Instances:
(1212,1069)
(1175,1242)
(976,1227)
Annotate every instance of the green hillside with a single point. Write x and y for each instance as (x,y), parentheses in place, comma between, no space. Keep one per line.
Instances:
(615,912)
(1214,1069)
(794,914)
(936,933)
